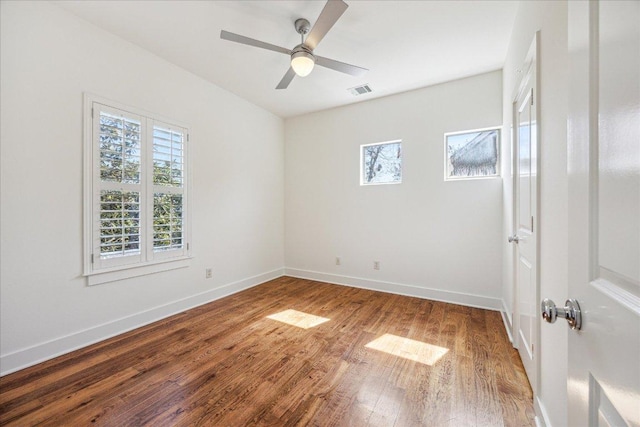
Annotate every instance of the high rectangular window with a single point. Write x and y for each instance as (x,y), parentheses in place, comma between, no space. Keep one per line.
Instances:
(136,192)
(472,154)
(381,163)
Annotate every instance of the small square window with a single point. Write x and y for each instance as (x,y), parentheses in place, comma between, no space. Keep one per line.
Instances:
(472,154)
(381,163)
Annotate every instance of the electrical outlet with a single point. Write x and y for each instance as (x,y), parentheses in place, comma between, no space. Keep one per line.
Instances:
(338,261)
(208,273)
(376,265)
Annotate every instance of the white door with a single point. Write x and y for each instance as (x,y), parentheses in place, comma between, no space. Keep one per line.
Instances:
(604,212)
(525,198)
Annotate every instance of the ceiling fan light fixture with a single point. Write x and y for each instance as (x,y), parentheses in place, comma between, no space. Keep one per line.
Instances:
(302,62)
(301,57)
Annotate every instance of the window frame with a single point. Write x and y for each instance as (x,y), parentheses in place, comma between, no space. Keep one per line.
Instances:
(362,166)
(148,261)
(498,174)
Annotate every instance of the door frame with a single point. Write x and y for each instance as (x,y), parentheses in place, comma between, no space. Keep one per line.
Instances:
(528,72)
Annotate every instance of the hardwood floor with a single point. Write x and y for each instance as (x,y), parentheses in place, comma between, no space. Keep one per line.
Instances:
(380,360)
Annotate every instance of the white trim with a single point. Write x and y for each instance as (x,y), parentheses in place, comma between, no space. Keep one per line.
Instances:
(38,353)
(131,271)
(530,78)
(541,418)
(462,132)
(507,320)
(593,142)
(90,98)
(537,99)
(472,178)
(87,181)
(469,300)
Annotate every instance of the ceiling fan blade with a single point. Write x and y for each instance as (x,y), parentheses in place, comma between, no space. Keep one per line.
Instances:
(284,83)
(226,35)
(332,11)
(340,66)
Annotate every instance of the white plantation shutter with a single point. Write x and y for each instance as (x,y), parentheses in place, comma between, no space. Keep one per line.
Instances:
(118,187)
(138,181)
(119,223)
(168,159)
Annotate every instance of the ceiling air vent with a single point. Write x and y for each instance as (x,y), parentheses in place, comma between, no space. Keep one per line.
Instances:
(360,90)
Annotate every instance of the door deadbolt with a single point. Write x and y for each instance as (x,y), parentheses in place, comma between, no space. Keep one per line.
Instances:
(571,312)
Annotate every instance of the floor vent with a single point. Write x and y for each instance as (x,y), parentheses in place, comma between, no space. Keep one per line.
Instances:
(360,90)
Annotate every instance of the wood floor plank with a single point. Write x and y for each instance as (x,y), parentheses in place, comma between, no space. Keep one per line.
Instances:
(229,363)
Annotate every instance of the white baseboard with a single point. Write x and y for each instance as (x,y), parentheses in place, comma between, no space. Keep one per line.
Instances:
(24,358)
(48,350)
(507,320)
(542,419)
(400,289)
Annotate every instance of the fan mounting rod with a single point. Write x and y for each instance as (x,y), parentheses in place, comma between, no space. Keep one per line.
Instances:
(302,26)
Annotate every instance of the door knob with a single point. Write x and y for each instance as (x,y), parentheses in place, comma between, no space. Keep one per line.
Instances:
(571,312)
(514,239)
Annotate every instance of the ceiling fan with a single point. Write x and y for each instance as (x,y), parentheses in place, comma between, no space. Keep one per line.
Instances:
(302,57)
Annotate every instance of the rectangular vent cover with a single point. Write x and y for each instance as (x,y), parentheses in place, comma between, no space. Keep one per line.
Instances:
(360,90)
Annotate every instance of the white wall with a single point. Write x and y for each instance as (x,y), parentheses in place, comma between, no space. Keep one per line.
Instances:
(551,19)
(433,238)
(49,58)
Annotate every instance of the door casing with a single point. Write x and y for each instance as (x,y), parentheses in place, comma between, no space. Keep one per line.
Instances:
(529,81)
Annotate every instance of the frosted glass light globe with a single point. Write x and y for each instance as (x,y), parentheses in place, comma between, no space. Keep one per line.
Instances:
(302,63)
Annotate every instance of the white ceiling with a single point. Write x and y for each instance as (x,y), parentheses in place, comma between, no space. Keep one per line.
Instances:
(405,44)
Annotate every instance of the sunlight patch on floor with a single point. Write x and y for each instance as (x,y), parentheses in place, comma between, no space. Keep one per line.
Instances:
(298,318)
(417,351)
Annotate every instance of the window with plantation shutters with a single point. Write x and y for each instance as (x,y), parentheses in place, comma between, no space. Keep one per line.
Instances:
(136,193)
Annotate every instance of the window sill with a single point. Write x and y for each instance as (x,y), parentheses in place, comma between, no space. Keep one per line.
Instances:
(122,273)
(471,178)
(366,184)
